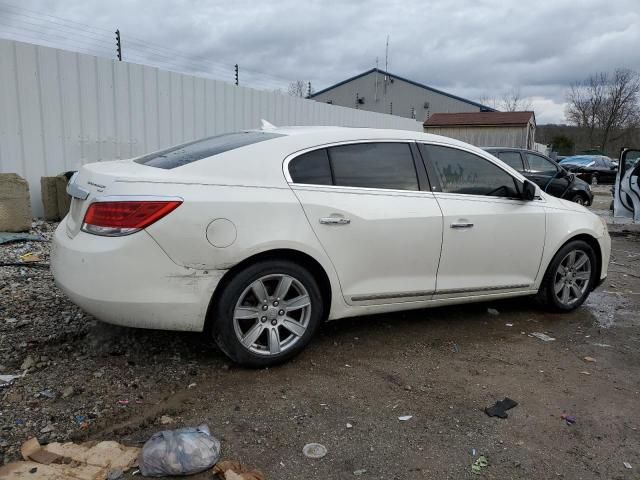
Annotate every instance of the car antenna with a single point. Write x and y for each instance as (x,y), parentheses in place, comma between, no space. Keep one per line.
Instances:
(266,125)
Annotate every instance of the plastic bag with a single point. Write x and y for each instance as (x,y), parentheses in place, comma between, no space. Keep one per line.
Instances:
(179,452)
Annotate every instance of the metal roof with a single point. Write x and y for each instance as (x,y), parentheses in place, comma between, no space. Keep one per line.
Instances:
(478,119)
(426,87)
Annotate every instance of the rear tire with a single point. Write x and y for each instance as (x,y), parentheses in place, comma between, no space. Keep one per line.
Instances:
(569,278)
(594,179)
(267,313)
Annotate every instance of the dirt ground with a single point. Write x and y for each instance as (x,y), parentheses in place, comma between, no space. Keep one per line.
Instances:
(87,380)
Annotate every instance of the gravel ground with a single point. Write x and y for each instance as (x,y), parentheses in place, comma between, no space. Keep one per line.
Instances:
(88,380)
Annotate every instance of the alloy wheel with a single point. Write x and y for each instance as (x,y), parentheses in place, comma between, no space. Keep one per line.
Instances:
(572,276)
(272,314)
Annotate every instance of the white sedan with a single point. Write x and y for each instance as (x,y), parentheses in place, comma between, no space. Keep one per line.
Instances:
(257,237)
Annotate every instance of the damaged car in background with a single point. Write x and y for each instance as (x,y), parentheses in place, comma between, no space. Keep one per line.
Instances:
(257,237)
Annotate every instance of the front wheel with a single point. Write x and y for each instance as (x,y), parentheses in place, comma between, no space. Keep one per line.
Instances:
(579,199)
(267,313)
(569,278)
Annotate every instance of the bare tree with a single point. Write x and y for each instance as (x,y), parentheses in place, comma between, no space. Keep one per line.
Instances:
(510,101)
(300,88)
(513,101)
(607,105)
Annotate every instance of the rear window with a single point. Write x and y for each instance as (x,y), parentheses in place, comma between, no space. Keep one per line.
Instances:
(186,153)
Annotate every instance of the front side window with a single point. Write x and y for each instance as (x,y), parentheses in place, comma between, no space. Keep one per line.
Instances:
(466,173)
(540,165)
(513,159)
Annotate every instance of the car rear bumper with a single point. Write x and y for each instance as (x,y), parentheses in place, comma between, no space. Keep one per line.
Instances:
(130,281)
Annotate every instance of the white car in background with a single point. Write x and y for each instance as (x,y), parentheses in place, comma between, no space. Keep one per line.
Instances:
(259,236)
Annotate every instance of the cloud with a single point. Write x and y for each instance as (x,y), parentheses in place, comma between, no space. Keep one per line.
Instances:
(468,47)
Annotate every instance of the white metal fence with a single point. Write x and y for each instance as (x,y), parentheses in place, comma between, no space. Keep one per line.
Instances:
(61,109)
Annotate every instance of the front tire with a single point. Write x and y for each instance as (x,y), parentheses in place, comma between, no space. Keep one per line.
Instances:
(579,199)
(569,278)
(267,313)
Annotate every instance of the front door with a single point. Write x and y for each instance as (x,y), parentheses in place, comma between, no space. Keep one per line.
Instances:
(381,231)
(492,239)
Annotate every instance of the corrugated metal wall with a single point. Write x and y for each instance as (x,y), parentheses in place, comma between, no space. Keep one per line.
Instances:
(485,136)
(61,109)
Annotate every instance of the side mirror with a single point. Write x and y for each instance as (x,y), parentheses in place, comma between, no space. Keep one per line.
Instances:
(562,173)
(528,190)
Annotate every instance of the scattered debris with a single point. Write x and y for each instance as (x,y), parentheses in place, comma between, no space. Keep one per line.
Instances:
(88,461)
(584,372)
(404,418)
(9,237)
(115,474)
(590,359)
(47,429)
(627,465)
(499,409)
(349,425)
(28,363)
(30,257)
(67,392)
(492,311)
(7,380)
(360,471)
(184,451)
(166,420)
(570,419)
(191,385)
(508,324)
(473,452)
(479,464)
(232,470)
(542,336)
(603,345)
(314,450)
(455,348)
(47,393)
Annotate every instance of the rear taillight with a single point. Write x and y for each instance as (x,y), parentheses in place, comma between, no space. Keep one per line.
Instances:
(117,218)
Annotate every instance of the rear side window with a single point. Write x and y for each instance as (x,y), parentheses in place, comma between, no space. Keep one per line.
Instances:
(374,165)
(186,153)
(513,159)
(466,173)
(312,167)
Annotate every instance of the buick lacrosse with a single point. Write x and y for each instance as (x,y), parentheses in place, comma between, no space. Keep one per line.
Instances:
(257,237)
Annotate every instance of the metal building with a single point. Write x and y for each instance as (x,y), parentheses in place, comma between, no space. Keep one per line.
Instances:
(378,91)
(486,129)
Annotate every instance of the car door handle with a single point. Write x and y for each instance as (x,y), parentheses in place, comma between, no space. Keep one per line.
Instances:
(461,225)
(335,221)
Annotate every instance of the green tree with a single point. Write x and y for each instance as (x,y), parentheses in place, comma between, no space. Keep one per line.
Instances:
(563,145)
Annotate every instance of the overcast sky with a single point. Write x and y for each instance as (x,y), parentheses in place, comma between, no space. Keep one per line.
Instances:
(472,48)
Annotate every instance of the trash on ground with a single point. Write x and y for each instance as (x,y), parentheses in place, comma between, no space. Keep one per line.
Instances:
(166,420)
(473,452)
(499,409)
(479,464)
(349,425)
(508,324)
(232,470)
(360,471)
(455,348)
(30,257)
(314,450)
(9,237)
(584,372)
(404,418)
(87,461)
(492,311)
(570,419)
(184,451)
(627,465)
(47,393)
(590,359)
(542,336)
(7,380)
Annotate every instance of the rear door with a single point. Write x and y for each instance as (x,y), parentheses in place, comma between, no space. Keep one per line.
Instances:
(375,217)
(492,239)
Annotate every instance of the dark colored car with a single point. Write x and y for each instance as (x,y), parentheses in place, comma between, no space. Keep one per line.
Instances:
(544,172)
(593,169)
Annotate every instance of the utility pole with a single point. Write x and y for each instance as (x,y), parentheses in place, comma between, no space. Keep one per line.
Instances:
(237,75)
(118,45)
